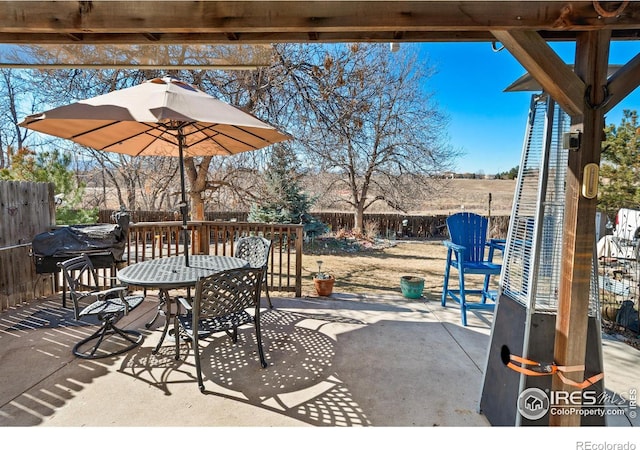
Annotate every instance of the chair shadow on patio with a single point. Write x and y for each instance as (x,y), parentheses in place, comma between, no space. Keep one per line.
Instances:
(36,341)
(299,381)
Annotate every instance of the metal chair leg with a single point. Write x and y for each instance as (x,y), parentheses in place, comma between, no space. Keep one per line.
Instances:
(266,291)
(134,338)
(196,350)
(263,362)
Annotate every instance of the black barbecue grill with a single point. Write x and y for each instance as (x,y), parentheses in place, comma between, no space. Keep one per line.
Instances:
(104,243)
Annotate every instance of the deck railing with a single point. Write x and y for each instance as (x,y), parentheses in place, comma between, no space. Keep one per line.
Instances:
(19,282)
(149,240)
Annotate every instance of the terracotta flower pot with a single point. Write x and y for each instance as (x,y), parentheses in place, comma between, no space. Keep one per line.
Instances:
(324,287)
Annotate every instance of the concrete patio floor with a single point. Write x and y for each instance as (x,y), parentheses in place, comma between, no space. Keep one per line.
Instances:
(343,361)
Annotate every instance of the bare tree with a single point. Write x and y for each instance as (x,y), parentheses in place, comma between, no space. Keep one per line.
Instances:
(16,94)
(366,117)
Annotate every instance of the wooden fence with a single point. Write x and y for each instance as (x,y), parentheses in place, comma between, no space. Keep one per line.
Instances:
(26,209)
(387,225)
(402,225)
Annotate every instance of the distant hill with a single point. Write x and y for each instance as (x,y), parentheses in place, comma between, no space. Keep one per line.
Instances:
(473,195)
(449,196)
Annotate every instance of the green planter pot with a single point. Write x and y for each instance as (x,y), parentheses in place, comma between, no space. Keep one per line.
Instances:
(411,287)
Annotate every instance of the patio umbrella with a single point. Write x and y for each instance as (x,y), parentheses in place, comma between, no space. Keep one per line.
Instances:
(160,117)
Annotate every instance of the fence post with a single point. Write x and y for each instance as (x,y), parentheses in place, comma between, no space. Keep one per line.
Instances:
(299,239)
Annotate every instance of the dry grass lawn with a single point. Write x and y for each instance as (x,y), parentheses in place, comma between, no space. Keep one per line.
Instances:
(378,270)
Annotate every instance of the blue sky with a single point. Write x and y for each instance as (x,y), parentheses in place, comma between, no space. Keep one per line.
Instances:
(486,123)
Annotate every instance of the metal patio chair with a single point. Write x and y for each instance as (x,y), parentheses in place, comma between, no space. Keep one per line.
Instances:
(107,305)
(222,303)
(466,249)
(256,250)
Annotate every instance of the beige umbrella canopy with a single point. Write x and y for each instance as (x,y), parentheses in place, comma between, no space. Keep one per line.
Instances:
(160,117)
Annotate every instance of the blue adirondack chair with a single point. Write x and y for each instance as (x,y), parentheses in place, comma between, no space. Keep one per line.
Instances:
(466,249)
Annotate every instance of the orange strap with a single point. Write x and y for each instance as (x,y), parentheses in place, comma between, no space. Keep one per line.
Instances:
(536,369)
(586,383)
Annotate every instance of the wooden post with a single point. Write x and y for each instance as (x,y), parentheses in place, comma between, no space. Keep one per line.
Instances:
(299,242)
(592,52)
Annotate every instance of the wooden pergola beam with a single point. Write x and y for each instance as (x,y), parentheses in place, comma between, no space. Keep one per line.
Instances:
(548,69)
(291,16)
(623,82)
(174,21)
(592,55)
(273,37)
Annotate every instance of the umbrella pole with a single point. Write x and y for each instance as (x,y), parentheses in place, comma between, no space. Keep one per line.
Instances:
(183,202)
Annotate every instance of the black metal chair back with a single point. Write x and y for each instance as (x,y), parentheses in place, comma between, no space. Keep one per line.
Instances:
(75,271)
(256,250)
(108,305)
(222,303)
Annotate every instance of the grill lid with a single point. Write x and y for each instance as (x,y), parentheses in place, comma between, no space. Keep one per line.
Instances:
(76,239)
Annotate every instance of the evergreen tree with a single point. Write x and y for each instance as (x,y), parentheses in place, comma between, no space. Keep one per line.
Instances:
(283,199)
(511,174)
(620,165)
(52,167)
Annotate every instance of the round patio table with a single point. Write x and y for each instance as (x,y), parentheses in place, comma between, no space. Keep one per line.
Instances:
(169,273)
